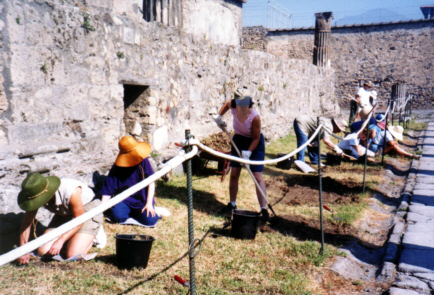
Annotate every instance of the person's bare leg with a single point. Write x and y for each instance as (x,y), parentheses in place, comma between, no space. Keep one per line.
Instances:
(44,248)
(393,146)
(80,243)
(233,183)
(260,180)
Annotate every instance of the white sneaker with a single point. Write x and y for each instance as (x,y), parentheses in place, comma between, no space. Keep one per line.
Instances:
(162,212)
(100,240)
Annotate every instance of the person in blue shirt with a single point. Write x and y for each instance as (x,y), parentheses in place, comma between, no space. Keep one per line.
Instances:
(131,166)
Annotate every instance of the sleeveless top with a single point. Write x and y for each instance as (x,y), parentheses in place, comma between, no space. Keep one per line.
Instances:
(244,128)
(63,196)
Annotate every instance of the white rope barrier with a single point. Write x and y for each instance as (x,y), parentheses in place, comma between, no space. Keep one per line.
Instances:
(36,243)
(366,121)
(250,162)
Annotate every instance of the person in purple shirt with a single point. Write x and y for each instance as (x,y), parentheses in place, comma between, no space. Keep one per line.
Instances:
(131,166)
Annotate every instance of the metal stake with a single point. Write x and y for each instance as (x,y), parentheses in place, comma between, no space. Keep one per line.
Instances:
(366,158)
(190,218)
(320,190)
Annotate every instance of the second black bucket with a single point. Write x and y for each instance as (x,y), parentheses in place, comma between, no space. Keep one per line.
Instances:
(244,224)
(132,250)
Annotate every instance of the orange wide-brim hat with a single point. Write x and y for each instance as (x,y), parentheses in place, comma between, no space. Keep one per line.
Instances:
(131,152)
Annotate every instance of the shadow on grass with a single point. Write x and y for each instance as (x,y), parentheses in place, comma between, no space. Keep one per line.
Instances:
(203,201)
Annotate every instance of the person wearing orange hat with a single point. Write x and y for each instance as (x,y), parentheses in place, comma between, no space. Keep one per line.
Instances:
(131,166)
(66,198)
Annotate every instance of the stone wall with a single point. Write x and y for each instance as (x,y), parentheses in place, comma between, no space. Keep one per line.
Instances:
(74,75)
(384,53)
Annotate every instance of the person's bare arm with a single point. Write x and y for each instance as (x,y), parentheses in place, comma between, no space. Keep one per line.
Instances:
(26,225)
(226,106)
(149,206)
(77,209)
(256,133)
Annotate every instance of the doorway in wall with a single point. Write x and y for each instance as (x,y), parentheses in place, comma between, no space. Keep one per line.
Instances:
(136,111)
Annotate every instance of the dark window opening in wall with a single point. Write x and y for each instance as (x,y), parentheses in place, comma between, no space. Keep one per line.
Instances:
(167,12)
(136,115)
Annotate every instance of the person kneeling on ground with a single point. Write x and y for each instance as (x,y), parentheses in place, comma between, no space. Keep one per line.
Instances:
(380,137)
(131,166)
(305,126)
(67,199)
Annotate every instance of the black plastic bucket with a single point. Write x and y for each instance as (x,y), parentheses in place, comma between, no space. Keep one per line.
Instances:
(244,224)
(133,250)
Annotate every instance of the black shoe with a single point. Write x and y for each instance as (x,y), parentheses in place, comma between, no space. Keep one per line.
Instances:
(264,215)
(227,210)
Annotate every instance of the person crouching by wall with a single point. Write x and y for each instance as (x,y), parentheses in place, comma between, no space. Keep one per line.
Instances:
(66,198)
(131,166)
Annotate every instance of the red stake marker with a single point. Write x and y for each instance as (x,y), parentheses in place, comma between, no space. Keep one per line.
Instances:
(181,281)
(327,208)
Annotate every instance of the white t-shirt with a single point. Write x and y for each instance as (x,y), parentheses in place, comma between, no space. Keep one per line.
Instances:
(63,196)
(364,97)
(348,141)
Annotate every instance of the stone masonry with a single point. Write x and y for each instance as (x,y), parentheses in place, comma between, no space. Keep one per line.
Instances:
(386,53)
(75,76)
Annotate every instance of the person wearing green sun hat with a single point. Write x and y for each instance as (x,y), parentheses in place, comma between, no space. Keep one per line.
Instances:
(66,198)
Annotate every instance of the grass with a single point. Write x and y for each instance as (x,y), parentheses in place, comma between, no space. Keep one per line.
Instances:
(273,263)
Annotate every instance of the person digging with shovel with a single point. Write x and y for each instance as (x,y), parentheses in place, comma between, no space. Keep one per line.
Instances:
(250,141)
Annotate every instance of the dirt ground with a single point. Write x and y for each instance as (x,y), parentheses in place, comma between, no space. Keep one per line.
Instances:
(364,239)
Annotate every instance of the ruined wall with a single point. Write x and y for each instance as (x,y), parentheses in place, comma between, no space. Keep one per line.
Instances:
(214,20)
(383,53)
(66,69)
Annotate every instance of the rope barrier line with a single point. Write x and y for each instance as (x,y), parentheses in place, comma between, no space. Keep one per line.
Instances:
(32,245)
(250,162)
(170,165)
(366,121)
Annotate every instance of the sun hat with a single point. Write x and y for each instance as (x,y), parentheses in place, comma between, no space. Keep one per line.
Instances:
(131,152)
(36,191)
(364,112)
(397,132)
(243,101)
(369,84)
(340,123)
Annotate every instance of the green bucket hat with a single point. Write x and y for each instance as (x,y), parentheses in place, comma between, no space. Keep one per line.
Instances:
(36,191)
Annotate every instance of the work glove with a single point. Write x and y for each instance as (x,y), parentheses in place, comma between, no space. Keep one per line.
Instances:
(219,120)
(246,156)
(338,150)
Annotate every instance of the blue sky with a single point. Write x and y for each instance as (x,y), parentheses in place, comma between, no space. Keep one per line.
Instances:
(344,11)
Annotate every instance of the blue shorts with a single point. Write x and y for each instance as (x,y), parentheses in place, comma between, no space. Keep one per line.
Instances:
(243,144)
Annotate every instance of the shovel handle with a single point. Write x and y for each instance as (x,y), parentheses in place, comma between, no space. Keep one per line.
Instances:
(181,281)
(327,208)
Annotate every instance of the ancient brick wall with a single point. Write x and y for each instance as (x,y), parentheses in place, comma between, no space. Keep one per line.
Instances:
(383,53)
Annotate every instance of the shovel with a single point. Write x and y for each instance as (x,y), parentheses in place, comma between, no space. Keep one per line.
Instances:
(250,172)
(332,212)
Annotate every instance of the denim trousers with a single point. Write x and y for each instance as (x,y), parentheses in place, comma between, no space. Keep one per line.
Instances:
(302,139)
(121,212)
